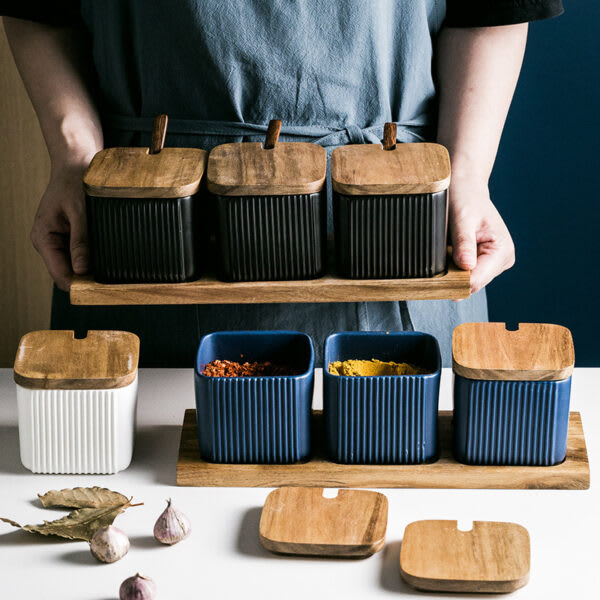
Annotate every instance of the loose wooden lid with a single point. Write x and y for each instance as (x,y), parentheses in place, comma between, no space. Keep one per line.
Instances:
(55,359)
(299,520)
(493,557)
(272,169)
(153,172)
(534,352)
(370,169)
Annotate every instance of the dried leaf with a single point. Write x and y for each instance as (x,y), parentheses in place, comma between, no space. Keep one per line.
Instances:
(94,497)
(13,523)
(81,524)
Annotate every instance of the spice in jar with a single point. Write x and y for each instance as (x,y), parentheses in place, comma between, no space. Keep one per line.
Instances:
(230,368)
(373,367)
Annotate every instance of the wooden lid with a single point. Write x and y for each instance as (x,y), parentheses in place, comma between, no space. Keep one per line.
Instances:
(146,172)
(52,360)
(299,520)
(272,169)
(493,557)
(370,169)
(534,352)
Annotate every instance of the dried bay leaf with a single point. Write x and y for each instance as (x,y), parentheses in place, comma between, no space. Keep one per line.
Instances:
(94,497)
(80,524)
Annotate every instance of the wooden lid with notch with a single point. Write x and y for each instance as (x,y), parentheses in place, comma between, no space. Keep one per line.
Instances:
(154,172)
(56,359)
(534,352)
(493,557)
(273,169)
(299,520)
(390,168)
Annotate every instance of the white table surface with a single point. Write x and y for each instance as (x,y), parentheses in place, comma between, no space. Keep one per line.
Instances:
(223,557)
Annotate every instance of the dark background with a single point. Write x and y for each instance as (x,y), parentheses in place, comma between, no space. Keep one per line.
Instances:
(545,182)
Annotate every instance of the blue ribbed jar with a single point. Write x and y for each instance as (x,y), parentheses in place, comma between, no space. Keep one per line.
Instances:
(255,419)
(512,393)
(511,422)
(382,419)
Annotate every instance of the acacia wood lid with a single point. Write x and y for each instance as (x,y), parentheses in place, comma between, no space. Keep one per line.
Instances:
(493,557)
(154,172)
(270,169)
(56,359)
(376,169)
(299,520)
(534,352)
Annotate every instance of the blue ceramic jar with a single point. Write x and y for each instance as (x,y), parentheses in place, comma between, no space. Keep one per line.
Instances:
(511,393)
(382,419)
(255,419)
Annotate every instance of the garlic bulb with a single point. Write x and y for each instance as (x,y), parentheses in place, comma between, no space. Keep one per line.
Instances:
(137,587)
(172,526)
(109,544)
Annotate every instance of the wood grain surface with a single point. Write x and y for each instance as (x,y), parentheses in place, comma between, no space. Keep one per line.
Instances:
(492,558)
(453,285)
(446,472)
(135,173)
(534,352)
(299,520)
(368,169)
(248,169)
(57,360)
(159,133)
(272,135)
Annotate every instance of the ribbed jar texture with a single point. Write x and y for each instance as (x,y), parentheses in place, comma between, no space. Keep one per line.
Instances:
(267,238)
(511,422)
(395,236)
(77,431)
(254,419)
(144,240)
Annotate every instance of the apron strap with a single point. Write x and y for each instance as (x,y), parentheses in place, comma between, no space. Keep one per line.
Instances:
(324,136)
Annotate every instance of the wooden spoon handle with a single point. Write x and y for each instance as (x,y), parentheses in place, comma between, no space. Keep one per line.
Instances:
(389,136)
(159,131)
(272,134)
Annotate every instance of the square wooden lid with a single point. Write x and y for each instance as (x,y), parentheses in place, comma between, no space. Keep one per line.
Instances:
(299,520)
(493,557)
(135,173)
(55,359)
(370,170)
(534,352)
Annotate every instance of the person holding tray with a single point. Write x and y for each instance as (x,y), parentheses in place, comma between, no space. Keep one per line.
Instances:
(97,72)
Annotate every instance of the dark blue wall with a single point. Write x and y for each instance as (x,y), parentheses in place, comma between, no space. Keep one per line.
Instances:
(546,182)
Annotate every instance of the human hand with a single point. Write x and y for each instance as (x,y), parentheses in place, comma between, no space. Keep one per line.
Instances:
(480,239)
(59,231)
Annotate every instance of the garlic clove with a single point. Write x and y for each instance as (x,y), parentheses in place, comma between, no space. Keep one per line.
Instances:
(137,587)
(172,526)
(109,544)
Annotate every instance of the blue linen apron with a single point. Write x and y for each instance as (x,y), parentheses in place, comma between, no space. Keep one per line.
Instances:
(334,71)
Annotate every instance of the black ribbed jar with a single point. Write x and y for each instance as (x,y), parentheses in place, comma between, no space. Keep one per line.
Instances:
(390,209)
(270,203)
(143,212)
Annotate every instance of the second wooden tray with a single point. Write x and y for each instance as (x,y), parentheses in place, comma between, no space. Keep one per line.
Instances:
(446,472)
(454,284)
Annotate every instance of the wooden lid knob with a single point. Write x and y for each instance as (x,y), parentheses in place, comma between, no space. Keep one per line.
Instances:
(389,136)
(159,131)
(272,134)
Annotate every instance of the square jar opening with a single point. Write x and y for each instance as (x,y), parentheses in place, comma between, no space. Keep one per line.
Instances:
(419,349)
(289,348)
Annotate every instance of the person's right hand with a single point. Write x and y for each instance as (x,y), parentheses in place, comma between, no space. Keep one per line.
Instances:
(59,231)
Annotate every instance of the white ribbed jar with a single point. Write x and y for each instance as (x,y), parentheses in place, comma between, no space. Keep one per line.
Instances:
(77,401)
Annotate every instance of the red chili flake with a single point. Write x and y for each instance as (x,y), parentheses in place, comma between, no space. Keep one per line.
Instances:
(230,368)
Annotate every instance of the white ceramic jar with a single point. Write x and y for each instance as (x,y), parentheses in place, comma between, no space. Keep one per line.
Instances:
(77,401)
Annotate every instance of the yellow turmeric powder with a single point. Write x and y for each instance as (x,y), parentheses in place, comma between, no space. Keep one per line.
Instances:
(369,368)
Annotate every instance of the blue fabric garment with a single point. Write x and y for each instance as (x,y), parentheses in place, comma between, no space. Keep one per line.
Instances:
(334,71)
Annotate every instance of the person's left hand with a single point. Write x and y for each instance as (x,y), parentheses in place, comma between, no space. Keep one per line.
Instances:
(480,240)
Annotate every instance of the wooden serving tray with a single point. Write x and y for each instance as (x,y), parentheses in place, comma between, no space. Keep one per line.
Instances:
(454,284)
(446,472)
